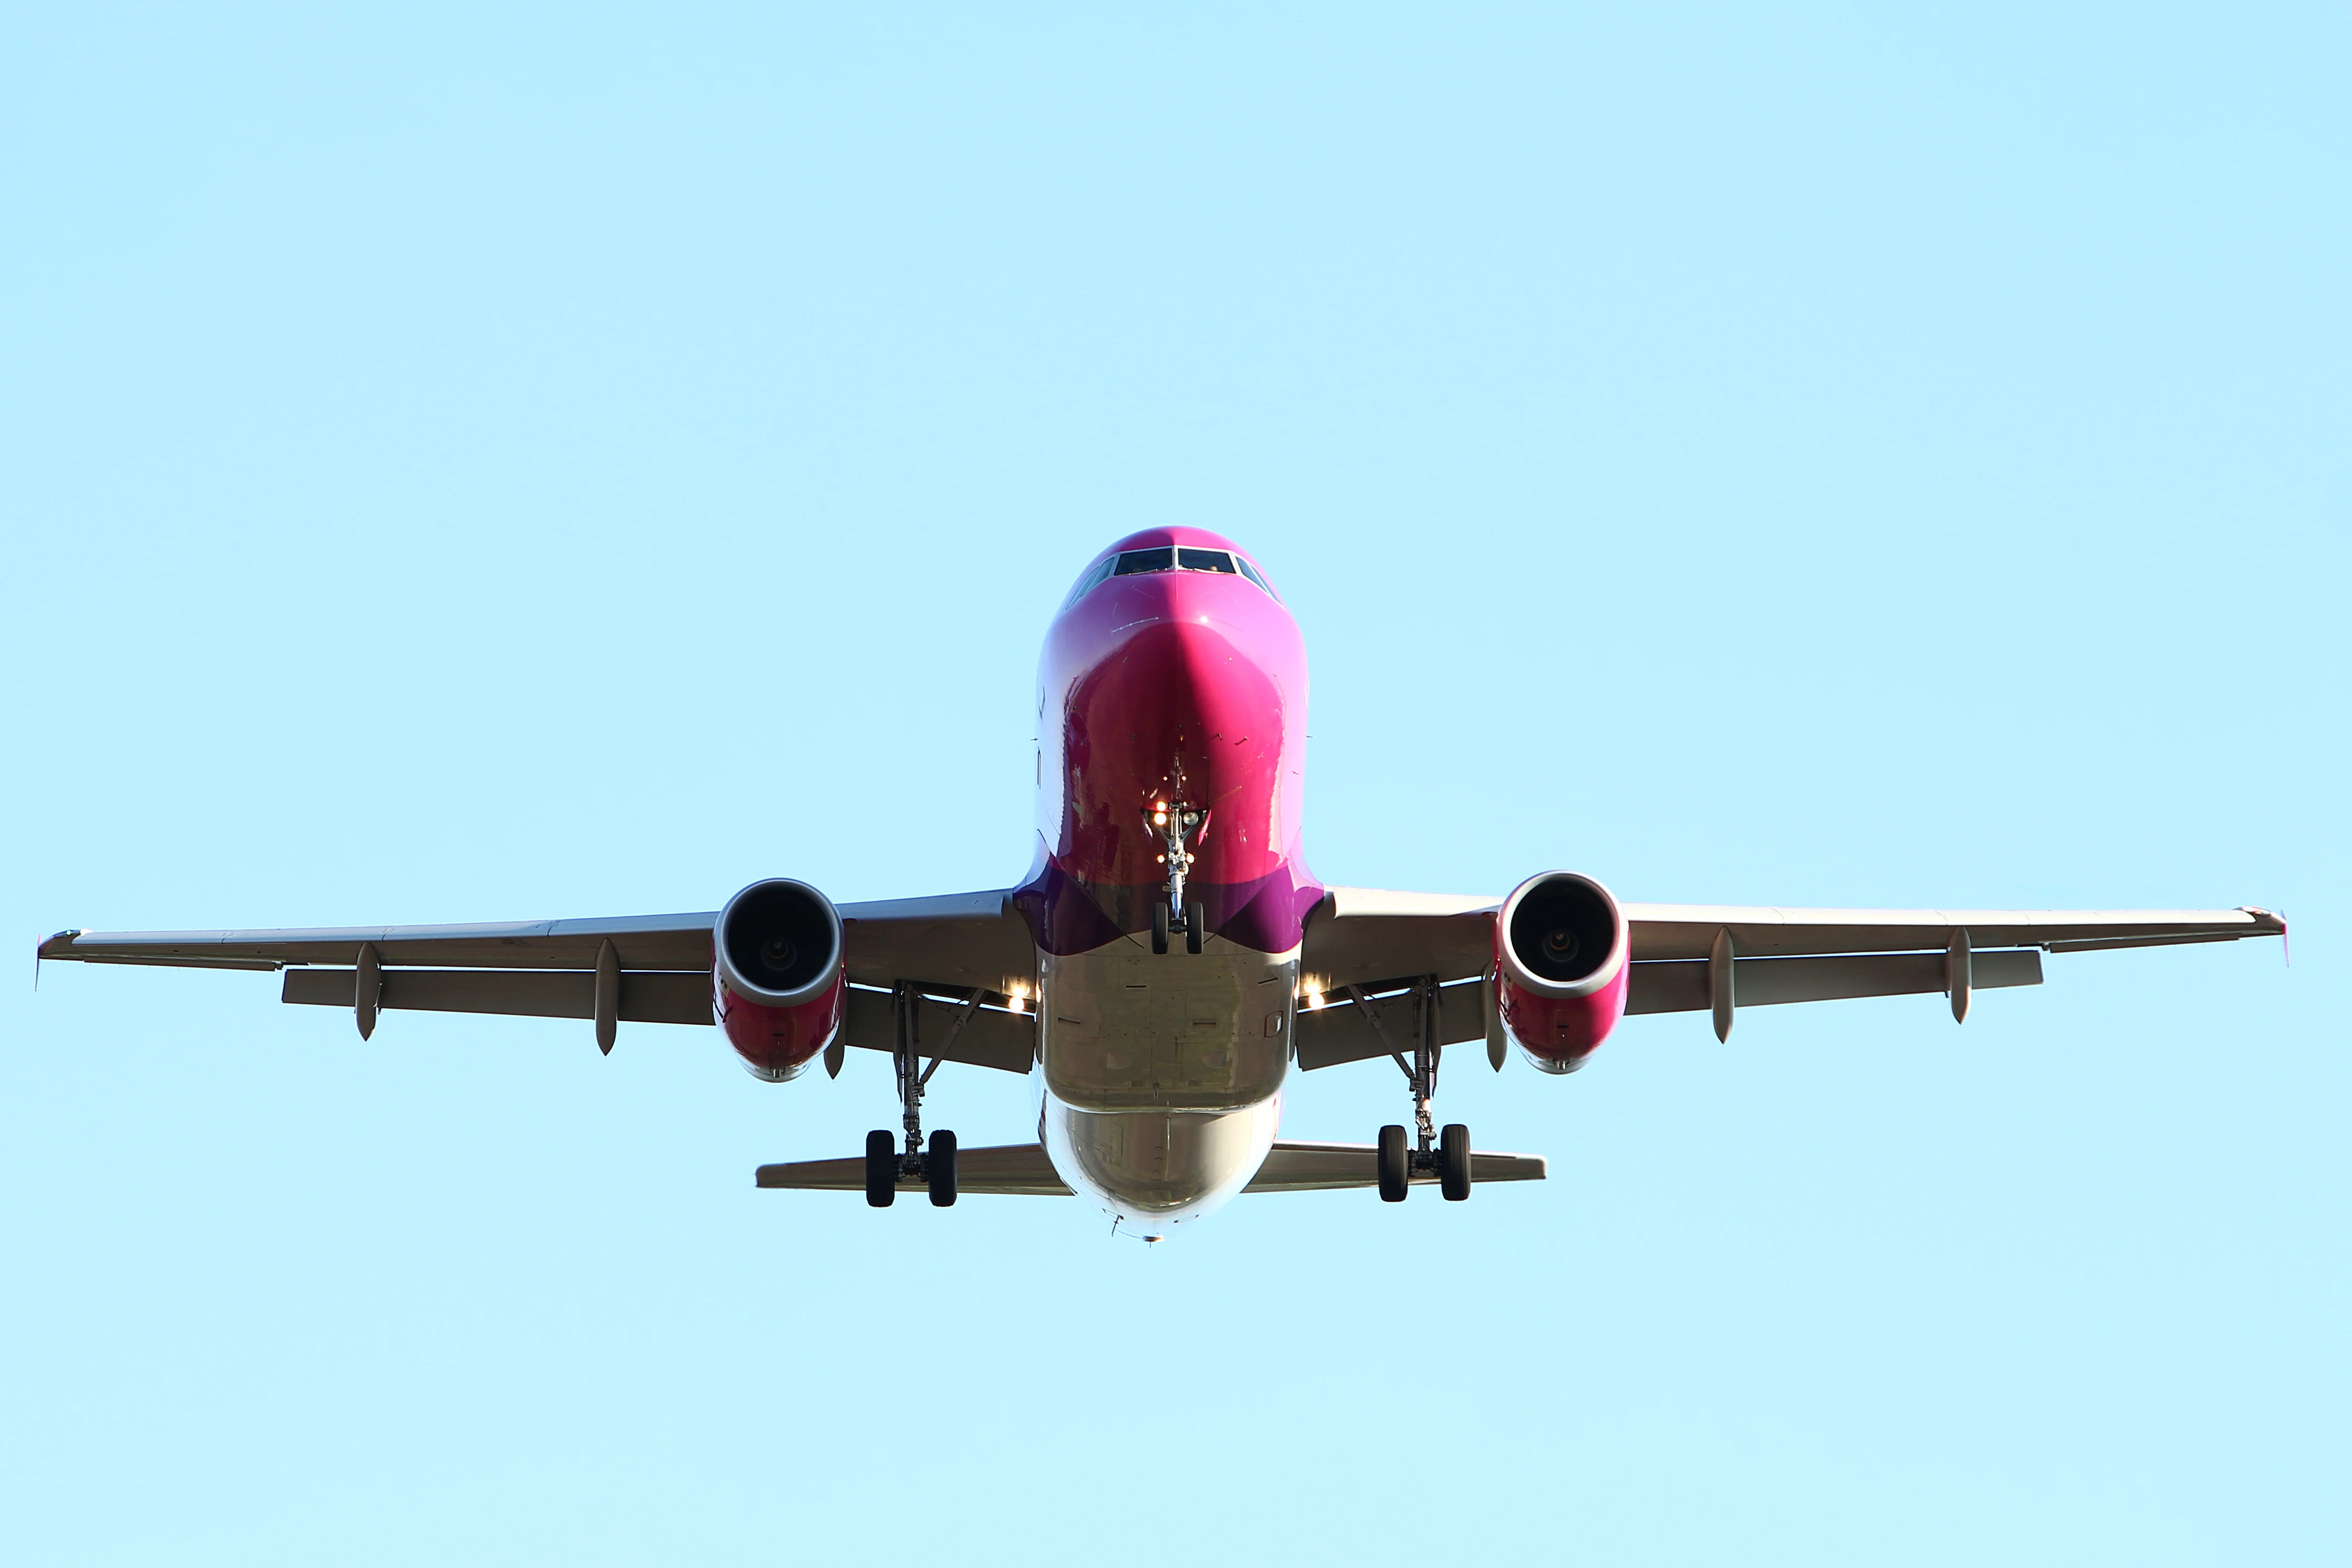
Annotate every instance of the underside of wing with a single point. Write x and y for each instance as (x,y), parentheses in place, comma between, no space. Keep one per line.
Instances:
(1696,957)
(958,939)
(967,963)
(1367,953)
(1364,936)
(966,960)
(967,956)
(657,942)
(660,965)
(1664,931)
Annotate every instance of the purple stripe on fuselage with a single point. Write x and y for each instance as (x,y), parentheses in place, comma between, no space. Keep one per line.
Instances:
(1066,915)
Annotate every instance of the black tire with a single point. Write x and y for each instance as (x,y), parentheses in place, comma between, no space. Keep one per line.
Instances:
(881,1168)
(1196,927)
(1454,1162)
(1395,1170)
(939,1169)
(1160,928)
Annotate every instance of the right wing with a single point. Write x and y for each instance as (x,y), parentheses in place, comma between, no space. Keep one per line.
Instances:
(1829,955)
(1670,930)
(1379,942)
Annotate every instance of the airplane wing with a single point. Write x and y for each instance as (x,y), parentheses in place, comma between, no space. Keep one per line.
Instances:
(1377,942)
(950,947)
(1824,954)
(1362,948)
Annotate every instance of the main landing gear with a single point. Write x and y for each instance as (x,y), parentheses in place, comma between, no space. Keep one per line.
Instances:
(1444,1155)
(886,1165)
(1174,824)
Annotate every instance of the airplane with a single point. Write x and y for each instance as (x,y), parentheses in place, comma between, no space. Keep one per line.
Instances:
(1170,959)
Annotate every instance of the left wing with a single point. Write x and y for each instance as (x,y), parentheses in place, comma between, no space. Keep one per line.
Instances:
(647,942)
(952,944)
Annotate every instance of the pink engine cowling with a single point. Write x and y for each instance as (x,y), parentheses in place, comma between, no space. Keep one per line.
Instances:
(778,987)
(1560,967)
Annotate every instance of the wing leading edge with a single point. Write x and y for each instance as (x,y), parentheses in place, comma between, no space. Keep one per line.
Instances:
(1662,931)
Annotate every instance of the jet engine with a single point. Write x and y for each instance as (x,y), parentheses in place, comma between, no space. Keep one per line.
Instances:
(1560,967)
(778,986)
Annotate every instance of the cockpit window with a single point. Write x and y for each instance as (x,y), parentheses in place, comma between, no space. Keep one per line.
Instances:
(1087,583)
(1135,562)
(1132,561)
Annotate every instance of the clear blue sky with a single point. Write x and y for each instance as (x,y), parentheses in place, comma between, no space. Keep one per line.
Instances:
(576,460)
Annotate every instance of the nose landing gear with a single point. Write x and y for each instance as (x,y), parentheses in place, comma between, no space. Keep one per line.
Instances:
(1192,927)
(1444,1155)
(934,1167)
(1174,824)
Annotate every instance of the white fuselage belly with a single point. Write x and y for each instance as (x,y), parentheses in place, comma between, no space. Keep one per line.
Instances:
(1163,1072)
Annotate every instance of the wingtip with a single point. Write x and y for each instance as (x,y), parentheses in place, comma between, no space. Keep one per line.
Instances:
(59,945)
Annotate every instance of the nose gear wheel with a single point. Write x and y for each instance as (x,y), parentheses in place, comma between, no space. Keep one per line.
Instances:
(1175,823)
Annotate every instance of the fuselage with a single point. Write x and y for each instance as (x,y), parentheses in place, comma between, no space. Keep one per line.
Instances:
(1166,692)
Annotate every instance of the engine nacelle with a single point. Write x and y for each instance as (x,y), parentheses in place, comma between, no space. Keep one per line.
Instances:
(1562,967)
(778,987)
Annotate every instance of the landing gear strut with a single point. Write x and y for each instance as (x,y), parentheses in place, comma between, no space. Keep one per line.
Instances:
(885,1166)
(1445,1155)
(1174,824)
